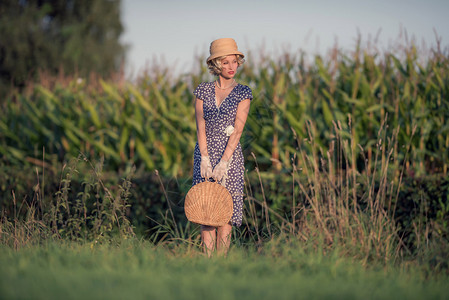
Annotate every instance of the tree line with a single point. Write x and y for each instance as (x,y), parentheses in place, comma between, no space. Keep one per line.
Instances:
(73,37)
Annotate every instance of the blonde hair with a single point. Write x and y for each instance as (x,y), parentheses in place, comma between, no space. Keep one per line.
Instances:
(214,65)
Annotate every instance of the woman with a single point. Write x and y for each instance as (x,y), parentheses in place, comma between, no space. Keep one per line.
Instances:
(221,110)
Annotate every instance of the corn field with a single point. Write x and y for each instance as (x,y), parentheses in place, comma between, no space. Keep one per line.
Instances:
(150,122)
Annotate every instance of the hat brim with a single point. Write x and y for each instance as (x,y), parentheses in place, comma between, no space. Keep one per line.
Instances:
(225,53)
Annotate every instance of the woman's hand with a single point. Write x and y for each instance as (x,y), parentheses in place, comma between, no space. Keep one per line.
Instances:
(206,167)
(220,170)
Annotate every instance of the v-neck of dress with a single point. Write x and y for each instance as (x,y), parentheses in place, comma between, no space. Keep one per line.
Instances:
(215,96)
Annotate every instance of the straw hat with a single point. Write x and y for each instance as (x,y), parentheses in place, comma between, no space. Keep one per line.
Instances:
(223,47)
(208,203)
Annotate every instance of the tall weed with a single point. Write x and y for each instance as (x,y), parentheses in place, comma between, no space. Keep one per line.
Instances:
(95,212)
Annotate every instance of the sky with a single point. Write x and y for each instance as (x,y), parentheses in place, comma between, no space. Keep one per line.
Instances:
(175,33)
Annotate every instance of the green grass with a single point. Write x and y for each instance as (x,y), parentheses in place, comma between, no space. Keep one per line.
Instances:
(134,269)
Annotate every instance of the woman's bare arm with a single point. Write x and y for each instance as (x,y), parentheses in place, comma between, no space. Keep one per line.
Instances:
(239,124)
(200,127)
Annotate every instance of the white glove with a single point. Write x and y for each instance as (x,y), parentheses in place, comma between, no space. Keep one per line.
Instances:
(206,167)
(220,170)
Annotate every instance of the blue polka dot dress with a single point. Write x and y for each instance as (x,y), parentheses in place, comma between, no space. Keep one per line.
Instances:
(217,120)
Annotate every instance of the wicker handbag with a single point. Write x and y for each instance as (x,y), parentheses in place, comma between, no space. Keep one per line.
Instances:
(208,203)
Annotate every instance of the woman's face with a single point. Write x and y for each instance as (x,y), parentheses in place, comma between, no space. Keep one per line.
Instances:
(229,66)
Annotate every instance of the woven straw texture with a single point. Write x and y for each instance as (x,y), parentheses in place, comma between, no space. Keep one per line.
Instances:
(208,203)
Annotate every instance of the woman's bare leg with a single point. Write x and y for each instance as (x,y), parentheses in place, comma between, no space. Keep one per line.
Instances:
(224,238)
(208,237)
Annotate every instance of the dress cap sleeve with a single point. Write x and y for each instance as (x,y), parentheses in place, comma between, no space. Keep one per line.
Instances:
(246,93)
(200,91)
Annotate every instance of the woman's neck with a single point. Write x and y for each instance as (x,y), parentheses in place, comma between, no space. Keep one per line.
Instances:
(225,82)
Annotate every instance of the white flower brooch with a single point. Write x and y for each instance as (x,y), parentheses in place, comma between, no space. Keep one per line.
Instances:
(229,130)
